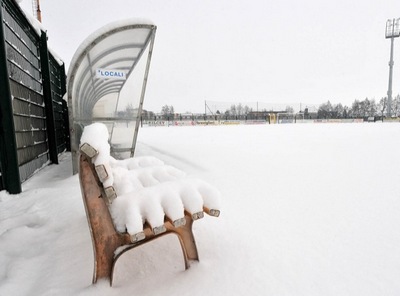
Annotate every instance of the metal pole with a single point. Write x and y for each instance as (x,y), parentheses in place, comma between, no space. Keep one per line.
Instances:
(38,11)
(392,31)
(50,122)
(389,92)
(146,74)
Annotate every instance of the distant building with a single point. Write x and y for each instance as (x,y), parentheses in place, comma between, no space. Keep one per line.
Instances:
(310,114)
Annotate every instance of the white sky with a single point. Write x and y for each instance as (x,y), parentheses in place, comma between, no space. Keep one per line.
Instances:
(245,51)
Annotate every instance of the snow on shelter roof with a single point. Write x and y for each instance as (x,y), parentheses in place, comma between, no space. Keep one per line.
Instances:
(104,66)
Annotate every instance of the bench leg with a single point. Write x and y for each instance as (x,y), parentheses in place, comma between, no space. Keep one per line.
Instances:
(104,261)
(188,243)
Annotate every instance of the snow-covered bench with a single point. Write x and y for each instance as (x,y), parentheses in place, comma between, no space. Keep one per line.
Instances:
(133,201)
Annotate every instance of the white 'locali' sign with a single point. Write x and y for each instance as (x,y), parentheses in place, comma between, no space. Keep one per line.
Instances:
(110,74)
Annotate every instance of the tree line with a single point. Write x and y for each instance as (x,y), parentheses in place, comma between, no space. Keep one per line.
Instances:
(360,109)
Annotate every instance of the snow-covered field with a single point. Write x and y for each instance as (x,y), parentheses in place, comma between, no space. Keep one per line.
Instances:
(307,209)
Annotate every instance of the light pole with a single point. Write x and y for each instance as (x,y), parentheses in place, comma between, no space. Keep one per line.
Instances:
(36,10)
(392,31)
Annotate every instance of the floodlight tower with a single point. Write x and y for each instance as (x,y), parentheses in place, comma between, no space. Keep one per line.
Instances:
(392,31)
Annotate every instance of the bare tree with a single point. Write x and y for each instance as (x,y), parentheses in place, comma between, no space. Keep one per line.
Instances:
(382,106)
(289,109)
(325,110)
(233,110)
(396,106)
(167,112)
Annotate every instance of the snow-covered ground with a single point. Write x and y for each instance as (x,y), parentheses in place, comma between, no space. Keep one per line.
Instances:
(307,209)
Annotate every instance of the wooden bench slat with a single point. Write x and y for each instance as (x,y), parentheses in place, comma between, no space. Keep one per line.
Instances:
(88,150)
(101,172)
(159,229)
(212,212)
(198,215)
(138,237)
(110,194)
(179,222)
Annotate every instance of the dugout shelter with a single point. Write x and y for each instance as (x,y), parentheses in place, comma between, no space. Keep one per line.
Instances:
(107,81)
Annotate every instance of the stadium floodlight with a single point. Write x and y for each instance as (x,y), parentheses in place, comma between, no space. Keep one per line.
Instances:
(392,31)
(393,28)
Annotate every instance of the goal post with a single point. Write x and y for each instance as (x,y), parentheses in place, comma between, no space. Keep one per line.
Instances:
(285,117)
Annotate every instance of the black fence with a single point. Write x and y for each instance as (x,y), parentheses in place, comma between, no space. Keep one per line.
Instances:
(33,123)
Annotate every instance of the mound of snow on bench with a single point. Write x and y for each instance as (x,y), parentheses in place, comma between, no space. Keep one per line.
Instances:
(146,188)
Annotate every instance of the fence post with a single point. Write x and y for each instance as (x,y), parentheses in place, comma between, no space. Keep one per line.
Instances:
(66,127)
(65,109)
(8,146)
(48,100)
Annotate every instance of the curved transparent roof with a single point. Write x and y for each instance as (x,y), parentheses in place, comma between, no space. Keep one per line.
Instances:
(107,76)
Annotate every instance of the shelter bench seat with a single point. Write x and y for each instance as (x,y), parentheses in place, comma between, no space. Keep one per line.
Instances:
(109,243)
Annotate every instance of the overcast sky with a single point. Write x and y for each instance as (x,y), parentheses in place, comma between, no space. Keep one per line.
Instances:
(283,51)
